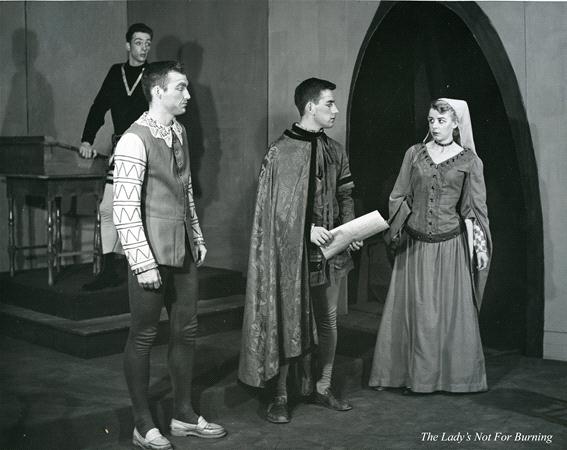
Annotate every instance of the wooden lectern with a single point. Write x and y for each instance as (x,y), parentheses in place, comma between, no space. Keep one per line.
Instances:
(40,166)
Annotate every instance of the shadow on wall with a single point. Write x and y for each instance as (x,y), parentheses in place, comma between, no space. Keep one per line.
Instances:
(200,120)
(243,216)
(19,107)
(28,79)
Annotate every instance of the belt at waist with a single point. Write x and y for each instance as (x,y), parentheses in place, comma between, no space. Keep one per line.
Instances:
(426,237)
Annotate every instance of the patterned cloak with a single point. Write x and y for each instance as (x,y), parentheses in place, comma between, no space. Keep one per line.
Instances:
(278,314)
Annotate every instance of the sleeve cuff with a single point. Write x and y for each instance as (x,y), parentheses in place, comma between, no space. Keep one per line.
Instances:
(145,268)
(479,240)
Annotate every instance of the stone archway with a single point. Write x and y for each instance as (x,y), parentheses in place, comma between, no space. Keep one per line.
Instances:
(416,51)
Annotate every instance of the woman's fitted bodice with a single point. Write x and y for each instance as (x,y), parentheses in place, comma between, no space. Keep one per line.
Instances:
(434,199)
(436,191)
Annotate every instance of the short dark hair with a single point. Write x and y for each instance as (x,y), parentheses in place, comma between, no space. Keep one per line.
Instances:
(155,74)
(310,91)
(138,28)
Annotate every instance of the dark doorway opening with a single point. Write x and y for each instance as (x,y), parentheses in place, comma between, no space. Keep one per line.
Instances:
(418,51)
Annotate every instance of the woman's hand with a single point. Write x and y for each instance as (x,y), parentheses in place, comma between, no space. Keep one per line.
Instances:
(481,260)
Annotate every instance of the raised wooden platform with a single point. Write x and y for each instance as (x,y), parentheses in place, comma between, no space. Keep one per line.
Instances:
(29,289)
(91,324)
(101,336)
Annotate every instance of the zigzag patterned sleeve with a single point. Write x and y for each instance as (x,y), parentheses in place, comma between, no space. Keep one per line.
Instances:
(130,167)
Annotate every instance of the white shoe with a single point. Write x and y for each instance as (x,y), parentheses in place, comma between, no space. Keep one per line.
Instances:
(154,440)
(202,429)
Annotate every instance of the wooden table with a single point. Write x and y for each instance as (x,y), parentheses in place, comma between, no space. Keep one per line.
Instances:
(53,188)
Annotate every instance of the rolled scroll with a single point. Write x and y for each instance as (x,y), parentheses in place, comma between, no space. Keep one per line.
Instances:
(356,230)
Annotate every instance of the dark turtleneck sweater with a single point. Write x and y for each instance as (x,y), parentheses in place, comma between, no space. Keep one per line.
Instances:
(124,109)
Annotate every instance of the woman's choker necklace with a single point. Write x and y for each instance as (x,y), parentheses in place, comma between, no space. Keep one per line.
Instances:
(443,145)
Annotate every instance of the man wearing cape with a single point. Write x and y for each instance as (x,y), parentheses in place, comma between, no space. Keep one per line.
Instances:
(304,190)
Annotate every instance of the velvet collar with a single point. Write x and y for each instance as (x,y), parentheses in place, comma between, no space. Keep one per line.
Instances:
(297,132)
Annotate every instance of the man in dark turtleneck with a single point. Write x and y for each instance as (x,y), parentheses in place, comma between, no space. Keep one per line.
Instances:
(293,293)
(121,93)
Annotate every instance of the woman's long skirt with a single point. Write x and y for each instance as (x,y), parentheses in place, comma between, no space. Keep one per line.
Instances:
(429,338)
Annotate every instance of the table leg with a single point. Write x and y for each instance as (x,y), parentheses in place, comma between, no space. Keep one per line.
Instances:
(75,232)
(11,235)
(50,251)
(58,237)
(97,255)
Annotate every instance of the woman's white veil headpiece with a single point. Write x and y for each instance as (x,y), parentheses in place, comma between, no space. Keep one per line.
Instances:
(464,126)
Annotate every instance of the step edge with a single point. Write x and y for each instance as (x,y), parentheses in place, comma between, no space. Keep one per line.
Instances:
(117,321)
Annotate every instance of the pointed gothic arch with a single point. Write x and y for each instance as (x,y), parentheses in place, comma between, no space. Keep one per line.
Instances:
(517,126)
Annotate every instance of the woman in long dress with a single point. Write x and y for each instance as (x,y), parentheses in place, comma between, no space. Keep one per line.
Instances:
(429,337)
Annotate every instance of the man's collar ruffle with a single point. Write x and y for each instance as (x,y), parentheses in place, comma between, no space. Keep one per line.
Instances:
(160,131)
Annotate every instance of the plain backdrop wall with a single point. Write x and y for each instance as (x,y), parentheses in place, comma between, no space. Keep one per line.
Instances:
(54,58)
(322,38)
(223,46)
(13,87)
(533,34)
(59,56)
(546,100)
(315,38)
(245,58)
